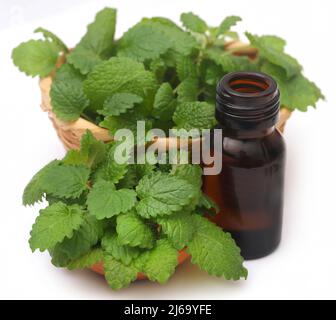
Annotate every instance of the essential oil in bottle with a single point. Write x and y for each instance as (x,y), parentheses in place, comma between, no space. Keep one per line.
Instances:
(249,188)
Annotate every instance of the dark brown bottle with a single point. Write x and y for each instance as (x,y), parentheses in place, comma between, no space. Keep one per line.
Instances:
(249,188)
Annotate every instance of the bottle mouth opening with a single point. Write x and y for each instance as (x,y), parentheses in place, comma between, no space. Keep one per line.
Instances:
(248,84)
(247,99)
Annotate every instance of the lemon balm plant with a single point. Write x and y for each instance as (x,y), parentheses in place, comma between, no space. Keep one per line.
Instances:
(157,71)
(135,218)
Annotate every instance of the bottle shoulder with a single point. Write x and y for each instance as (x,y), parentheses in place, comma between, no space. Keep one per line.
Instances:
(256,151)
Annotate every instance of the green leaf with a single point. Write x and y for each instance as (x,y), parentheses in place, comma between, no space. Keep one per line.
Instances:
(117,274)
(81,201)
(97,44)
(134,231)
(182,42)
(169,60)
(119,75)
(226,25)
(274,54)
(186,68)
(214,251)
(110,169)
(159,263)
(164,125)
(179,228)
(119,103)
(68,73)
(143,42)
(230,62)
(92,152)
(206,205)
(34,191)
(104,201)
(65,181)
(164,102)
(193,22)
(84,59)
(189,172)
(54,224)
(192,174)
(296,93)
(134,174)
(194,115)
(159,68)
(68,100)
(87,260)
(162,194)
(122,253)
(79,244)
(67,96)
(187,90)
(163,22)
(274,42)
(48,35)
(126,121)
(74,157)
(36,57)
(213,74)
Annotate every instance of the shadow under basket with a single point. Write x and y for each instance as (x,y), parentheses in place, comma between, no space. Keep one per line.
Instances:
(70,133)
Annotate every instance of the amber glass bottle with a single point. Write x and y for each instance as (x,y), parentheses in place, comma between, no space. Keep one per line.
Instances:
(249,188)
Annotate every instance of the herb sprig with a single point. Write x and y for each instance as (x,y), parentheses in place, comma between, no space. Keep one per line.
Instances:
(132,217)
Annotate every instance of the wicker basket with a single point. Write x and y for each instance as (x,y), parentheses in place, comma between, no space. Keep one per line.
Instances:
(70,133)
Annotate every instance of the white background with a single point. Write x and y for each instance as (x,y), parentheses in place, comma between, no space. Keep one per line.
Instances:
(304,265)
